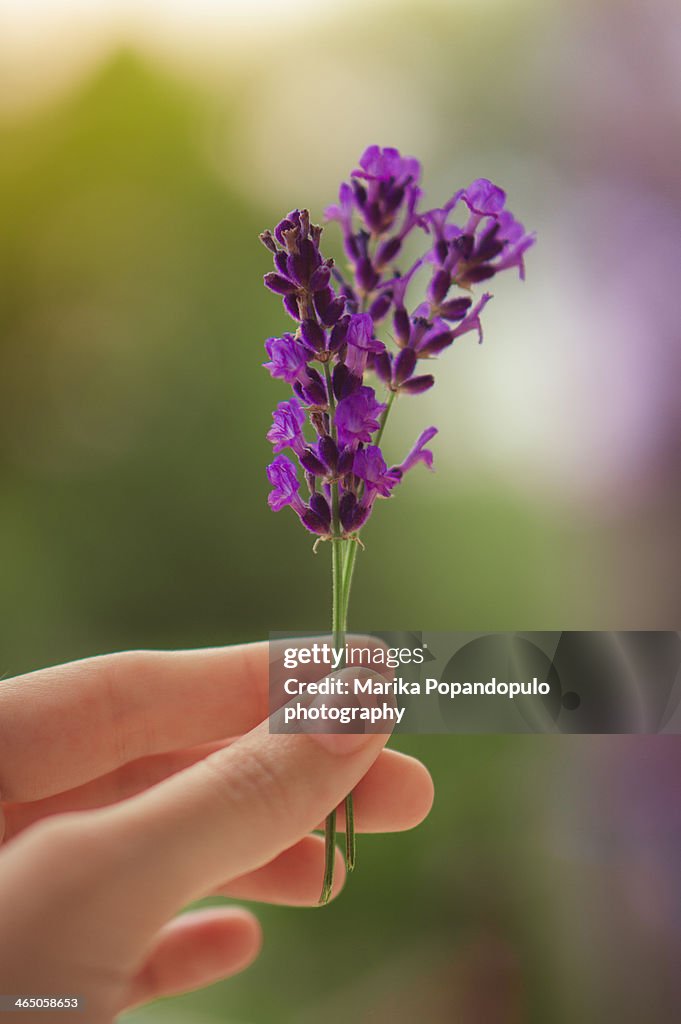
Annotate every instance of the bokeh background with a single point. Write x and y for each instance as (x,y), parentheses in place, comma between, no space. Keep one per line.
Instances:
(143,146)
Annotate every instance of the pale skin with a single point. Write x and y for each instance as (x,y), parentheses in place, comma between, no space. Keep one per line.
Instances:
(134,783)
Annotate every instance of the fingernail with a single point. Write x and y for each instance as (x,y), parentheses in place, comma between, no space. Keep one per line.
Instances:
(333,735)
(340,742)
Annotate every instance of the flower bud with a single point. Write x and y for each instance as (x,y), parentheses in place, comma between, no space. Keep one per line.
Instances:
(320,279)
(347,511)
(373,215)
(282,226)
(268,241)
(439,286)
(367,278)
(436,344)
(388,251)
(417,385)
(403,366)
(338,334)
(489,245)
(345,461)
(310,462)
(312,335)
(281,262)
(291,306)
(332,312)
(380,306)
(359,191)
(312,522)
(320,507)
(278,284)
(383,366)
(322,299)
(477,274)
(401,326)
(328,450)
(314,390)
(464,246)
(455,309)
(441,250)
(344,382)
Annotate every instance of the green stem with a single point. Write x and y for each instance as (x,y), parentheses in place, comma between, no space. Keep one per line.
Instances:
(350,841)
(384,417)
(349,567)
(330,856)
(338,625)
(342,570)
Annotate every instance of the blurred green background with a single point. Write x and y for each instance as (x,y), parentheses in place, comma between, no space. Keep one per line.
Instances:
(143,148)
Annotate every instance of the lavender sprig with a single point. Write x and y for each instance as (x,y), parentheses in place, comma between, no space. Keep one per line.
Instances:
(333,424)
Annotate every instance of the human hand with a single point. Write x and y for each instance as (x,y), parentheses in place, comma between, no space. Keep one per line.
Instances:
(132,784)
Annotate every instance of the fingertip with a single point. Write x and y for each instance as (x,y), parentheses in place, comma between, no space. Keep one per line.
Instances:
(232,935)
(418,793)
(196,949)
(395,795)
(251,934)
(293,879)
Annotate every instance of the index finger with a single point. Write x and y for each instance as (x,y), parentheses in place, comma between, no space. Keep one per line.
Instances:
(228,815)
(64,726)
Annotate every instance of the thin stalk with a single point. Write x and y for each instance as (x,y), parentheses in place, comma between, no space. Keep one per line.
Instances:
(350,841)
(330,856)
(384,416)
(342,570)
(338,626)
(349,567)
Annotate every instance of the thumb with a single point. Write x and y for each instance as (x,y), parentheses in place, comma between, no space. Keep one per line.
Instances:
(235,810)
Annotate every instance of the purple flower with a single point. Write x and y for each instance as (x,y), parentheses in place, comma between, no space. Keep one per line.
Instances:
(317,516)
(398,372)
(370,466)
(336,344)
(286,430)
(435,221)
(491,240)
(398,286)
(502,237)
(288,358)
(471,238)
(516,243)
(419,452)
(471,322)
(379,204)
(360,341)
(387,165)
(353,512)
(282,475)
(444,252)
(357,416)
(417,385)
(484,197)
(311,389)
(301,276)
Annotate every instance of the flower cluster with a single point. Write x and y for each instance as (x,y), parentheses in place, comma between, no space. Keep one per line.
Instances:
(335,345)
